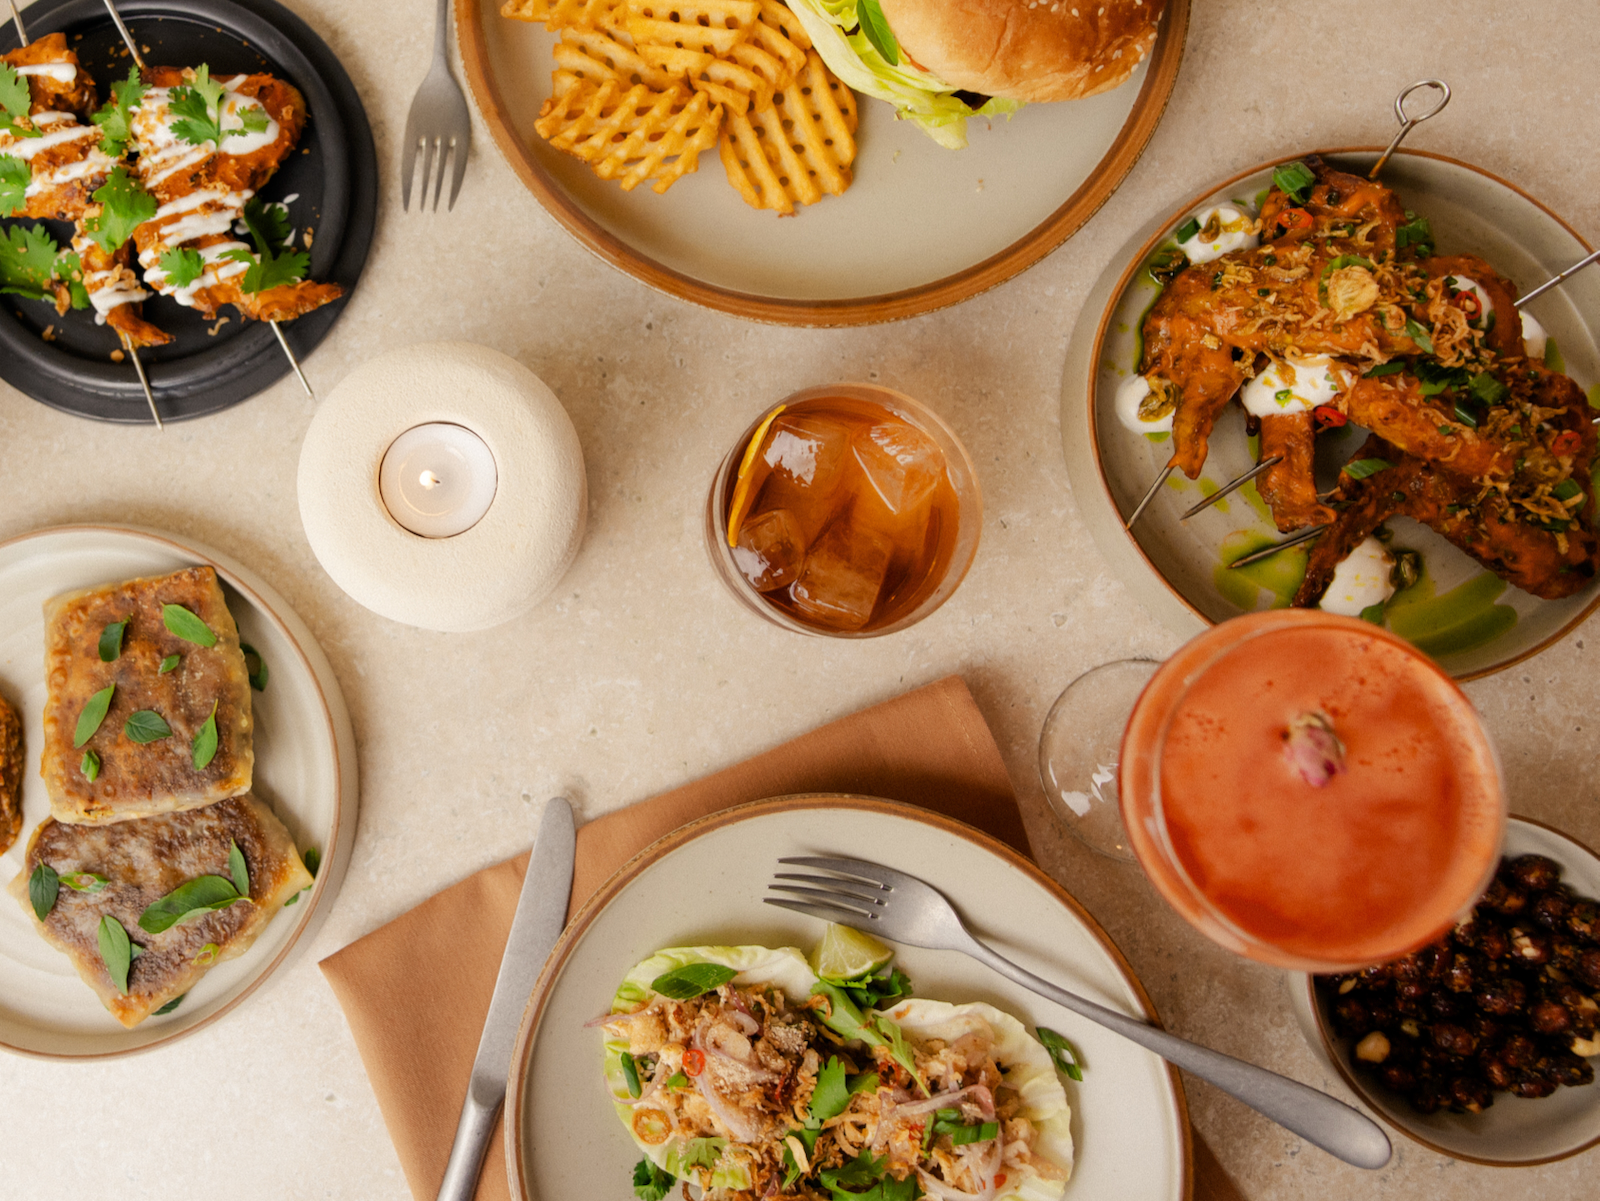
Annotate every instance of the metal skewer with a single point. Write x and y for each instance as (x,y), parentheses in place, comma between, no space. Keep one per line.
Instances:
(1232,486)
(1407,123)
(1305,535)
(1554,280)
(22,32)
(127,40)
(1149,496)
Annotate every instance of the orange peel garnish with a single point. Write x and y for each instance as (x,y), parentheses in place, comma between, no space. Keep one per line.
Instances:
(741,488)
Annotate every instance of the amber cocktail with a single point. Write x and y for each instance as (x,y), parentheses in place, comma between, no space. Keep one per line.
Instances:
(847,510)
(1311,791)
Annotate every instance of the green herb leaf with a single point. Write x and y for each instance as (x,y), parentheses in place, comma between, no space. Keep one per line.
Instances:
(1488,389)
(89,765)
(1283,396)
(15,101)
(254,119)
(1391,368)
(863,1169)
(1466,416)
(1373,613)
(1360,469)
(677,1080)
(184,624)
(313,860)
(877,31)
(167,665)
(43,888)
(268,228)
(1295,181)
(198,110)
(15,176)
(116,949)
(1417,234)
(1187,230)
(961,1135)
(877,992)
(238,869)
(691,980)
(115,117)
(1567,489)
(89,882)
(111,641)
(1449,431)
(1420,336)
(170,1005)
(630,1073)
(651,1183)
(27,262)
(191,899)
(1065,1056)
(182,265)
(203,749)
(899,1048)
(69,270)
(831,1096)
(146,726)
(124,206)
(92,714)
(258,673)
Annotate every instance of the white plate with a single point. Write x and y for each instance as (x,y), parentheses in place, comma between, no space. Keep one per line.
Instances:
(920,226)
(704,883)
(305,769)
(1174,567)
(1514,1131)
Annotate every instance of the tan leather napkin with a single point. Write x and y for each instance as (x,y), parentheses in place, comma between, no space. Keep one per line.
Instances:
(416,1014)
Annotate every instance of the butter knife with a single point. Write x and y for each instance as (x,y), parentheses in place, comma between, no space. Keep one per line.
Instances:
(541,915)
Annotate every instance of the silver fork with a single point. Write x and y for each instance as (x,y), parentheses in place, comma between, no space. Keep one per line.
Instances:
(439,123)
(901,908)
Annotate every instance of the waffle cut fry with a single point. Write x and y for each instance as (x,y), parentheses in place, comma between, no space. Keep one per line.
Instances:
(641,87)
(797,148)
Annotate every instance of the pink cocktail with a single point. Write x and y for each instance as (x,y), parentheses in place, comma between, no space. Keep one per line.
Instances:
(1311,791)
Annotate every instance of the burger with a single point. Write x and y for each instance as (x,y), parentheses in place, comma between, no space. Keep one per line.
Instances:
(942,61)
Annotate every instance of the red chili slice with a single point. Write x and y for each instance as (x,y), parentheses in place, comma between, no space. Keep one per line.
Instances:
(1292,219)
(694,1062)
(1469,304)
(1567,442)
(1329,417)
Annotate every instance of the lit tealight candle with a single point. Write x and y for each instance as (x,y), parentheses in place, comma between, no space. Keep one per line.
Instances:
(438,480)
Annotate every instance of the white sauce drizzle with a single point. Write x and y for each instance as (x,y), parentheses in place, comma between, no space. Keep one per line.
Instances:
(70,131)
(107,289)
(60,72)
(197,215)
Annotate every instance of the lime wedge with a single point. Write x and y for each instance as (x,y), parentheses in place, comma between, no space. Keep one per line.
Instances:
(844,954)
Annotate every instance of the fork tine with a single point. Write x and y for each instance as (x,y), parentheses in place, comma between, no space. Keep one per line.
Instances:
(843,917)
(427,171)
(875,872)
(408,164)
(458,170)
(842,900)
(874,892)
(445,145)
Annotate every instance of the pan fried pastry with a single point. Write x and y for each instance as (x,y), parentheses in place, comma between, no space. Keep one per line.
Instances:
(123,765)
(140,863)
(10,776)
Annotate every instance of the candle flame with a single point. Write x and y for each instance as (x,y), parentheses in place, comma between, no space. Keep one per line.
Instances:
(428,480)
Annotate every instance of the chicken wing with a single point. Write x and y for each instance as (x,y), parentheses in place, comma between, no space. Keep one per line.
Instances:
(1289,486)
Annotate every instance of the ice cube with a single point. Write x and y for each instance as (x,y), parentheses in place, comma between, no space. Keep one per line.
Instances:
(770,549)
(902,463)
(808,448)
(843,575)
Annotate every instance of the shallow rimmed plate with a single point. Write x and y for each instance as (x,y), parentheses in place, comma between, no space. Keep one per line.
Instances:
(305,769)
(703,883)
(1514,1131)
(1176,569)
(920,228)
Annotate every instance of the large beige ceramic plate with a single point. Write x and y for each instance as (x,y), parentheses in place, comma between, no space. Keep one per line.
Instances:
(920,228)
(1514,1131)
(703,884)
(305,769)
(1177,568)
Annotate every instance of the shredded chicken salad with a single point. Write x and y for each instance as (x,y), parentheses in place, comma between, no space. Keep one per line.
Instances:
(740,1072)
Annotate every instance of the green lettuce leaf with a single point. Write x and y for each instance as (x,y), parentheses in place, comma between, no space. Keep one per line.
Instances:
(835,30)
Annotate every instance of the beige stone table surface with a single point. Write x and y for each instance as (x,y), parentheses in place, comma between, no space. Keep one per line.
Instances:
(641,673)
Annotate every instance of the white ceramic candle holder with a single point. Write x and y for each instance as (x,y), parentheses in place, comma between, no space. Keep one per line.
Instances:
(510,558)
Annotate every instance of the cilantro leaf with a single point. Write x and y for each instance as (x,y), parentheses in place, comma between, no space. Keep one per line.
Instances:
(15,101)
(15,175)
(27,262)
(899,1048)
(651,1183)
(182,266)
(113,119)
(808,1140)
(198,110)
(831,1095)
(863,1169)
(124,206)
(69,270)
(269,227)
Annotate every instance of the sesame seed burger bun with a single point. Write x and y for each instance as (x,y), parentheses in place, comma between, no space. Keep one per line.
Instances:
(1033,50)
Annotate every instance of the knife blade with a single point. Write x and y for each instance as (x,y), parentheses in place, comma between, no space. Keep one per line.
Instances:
(541,916)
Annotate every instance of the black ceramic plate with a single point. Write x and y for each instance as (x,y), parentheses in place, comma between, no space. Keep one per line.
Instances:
(329,183)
